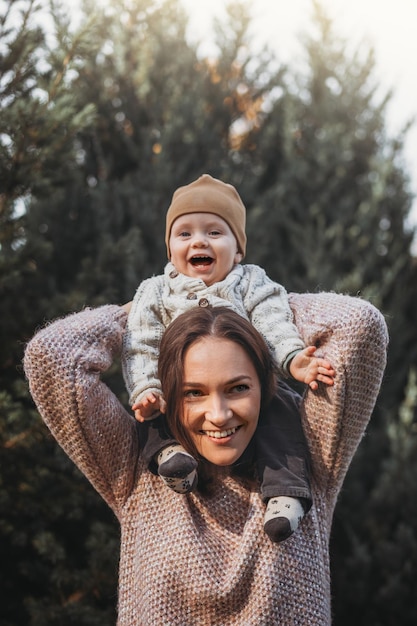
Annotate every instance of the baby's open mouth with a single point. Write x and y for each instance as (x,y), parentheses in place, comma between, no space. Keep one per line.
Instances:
(201,260)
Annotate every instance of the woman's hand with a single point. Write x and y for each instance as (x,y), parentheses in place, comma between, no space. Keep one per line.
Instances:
(309,369)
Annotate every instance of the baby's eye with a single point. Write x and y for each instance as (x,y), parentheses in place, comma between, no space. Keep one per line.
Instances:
(184,233)
(214,233)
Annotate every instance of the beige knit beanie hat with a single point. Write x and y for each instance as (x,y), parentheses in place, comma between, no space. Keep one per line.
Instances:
(209,195)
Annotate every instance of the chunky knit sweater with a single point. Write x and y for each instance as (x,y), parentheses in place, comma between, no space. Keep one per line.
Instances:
(204,560)
(159,300)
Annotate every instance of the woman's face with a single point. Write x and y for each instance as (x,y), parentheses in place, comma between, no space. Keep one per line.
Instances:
(221,399)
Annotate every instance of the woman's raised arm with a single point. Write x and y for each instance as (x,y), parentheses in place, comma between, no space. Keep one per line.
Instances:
(351,333)
(63,363)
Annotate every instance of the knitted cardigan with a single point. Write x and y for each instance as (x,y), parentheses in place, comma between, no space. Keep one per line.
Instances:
(159,300)
(204,560)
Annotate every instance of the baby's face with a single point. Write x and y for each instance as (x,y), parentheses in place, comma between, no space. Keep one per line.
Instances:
(202,245)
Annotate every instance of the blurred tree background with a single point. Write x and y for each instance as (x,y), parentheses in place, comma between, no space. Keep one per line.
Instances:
(102,118)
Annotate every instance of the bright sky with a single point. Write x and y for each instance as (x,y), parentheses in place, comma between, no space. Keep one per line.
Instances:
(388,25)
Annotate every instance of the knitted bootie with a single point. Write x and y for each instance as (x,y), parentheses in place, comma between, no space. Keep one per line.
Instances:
(177,468)
(282,516)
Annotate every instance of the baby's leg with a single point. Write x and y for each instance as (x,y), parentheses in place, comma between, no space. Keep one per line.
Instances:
(166,457)
(282,517)
(282,460)
(177,468)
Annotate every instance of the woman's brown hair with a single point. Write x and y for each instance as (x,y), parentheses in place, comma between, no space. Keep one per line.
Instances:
(186,329)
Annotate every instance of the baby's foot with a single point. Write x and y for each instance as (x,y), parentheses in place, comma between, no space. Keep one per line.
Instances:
(177,468)
(282,516)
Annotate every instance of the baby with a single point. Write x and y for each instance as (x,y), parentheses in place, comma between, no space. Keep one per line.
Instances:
(206,242)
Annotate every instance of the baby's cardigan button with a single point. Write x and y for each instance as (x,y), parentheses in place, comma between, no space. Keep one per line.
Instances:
(203,302)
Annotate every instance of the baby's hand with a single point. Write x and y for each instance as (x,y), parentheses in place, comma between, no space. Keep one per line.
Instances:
(149,407)
(310,369)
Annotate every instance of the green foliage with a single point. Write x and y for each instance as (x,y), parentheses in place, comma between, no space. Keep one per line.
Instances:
(331,186)
(40,117)
(59,542)
(101,121)
(382,545)
(40,113)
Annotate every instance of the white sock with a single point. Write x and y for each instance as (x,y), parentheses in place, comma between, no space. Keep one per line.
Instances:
(282,517)
(177,468)
(174,461)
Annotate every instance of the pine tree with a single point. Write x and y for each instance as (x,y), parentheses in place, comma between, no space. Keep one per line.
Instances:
(39,536)
(332,195)
(377,560)
(39,122)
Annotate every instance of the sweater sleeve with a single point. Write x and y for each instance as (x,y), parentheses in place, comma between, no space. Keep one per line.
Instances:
(144,330)
(63,363)
(351,333)
(266,303)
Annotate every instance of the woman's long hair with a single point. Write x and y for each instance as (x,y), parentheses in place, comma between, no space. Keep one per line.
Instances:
(184,331)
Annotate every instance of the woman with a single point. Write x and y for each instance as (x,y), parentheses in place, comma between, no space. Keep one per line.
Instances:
(203,558)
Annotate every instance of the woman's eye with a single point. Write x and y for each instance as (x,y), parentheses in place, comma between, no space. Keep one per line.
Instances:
(240,388)
(193,393)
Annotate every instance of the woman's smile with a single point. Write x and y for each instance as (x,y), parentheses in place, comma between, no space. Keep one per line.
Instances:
(221,434)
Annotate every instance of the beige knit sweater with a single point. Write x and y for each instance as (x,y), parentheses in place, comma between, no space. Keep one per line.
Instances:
(246,289)
(192,560)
